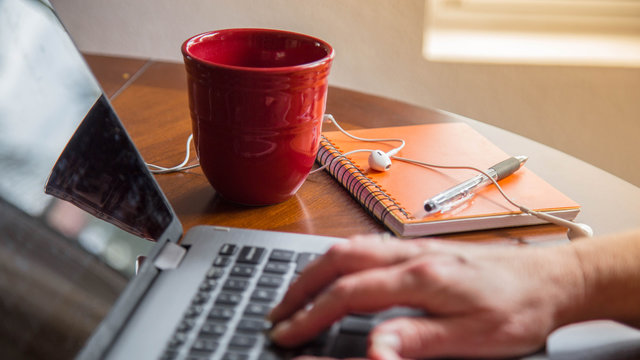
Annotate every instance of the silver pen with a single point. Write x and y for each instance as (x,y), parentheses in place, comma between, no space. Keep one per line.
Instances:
(463,192)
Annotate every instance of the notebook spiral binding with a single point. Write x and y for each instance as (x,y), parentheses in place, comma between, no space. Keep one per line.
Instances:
(368,193)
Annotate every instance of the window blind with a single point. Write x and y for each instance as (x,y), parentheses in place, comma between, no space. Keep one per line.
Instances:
(537,31)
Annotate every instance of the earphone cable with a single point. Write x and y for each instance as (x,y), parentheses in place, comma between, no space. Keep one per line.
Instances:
(392,152)
(156,169)
(422,163)
(338,157)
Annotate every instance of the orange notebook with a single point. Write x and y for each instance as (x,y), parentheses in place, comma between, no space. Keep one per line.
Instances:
(396,197)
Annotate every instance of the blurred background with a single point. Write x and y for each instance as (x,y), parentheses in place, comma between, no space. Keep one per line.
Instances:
(564,72)
(61,269)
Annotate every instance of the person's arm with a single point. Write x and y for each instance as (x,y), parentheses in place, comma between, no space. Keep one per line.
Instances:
(611,268)
(482,300)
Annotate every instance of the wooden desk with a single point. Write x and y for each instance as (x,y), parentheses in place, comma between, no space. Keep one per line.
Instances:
(151,99)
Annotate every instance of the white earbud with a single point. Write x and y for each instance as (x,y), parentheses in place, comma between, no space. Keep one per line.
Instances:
(379,160)
(576,230)
(579,230)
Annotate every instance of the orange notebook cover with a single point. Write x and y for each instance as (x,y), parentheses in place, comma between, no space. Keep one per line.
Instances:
(396,197)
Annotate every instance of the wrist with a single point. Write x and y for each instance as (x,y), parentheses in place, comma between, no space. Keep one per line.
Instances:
(565,277)
(611,266)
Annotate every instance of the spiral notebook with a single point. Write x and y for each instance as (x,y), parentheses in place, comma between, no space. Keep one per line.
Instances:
(396,197)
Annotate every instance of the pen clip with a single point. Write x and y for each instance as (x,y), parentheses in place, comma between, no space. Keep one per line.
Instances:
(455,204)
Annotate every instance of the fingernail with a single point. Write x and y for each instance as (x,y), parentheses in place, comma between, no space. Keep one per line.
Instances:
(279,329)
(386,345)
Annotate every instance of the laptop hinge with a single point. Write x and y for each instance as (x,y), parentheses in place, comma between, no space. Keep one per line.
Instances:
(170,256)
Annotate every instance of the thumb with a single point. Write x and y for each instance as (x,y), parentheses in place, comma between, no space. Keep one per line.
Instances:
(418,337)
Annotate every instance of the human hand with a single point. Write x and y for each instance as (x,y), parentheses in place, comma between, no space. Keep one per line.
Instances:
(482,300)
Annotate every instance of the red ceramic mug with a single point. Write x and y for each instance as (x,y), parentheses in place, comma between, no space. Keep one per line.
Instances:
(257,98)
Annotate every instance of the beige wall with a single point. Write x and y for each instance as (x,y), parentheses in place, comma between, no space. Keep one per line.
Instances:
(592,113)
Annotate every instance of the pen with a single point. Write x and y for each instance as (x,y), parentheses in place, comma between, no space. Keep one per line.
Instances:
(464,191)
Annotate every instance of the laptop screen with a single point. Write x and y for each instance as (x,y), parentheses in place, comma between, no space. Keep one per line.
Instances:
(61,269)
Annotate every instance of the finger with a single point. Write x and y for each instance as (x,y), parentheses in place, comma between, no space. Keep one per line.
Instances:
(468,336)
(417,338)
(344,258)
(366,291)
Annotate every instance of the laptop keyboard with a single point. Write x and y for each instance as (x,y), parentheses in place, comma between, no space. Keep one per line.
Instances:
(226,317)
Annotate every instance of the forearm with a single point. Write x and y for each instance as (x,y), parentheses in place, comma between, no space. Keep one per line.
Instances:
(611,269)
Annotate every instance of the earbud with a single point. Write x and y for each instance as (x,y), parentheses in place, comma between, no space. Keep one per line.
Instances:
(379,160)
(576,230)
(580,230)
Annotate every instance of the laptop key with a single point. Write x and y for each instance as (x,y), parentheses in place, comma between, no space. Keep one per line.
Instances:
(242,341)
(252,325)
(356,325)
(176,341)
(349,346)
(208,285)
(236,285)
(228,299)
(213,329)
(274,353)
(228,249)
(270,281)
(193,311)
(204,345)
(235,356)
(221,313)
(243,270)
(201,298)
(265,295)
(169,355)
(196,355)
(250,255)
(215,273)
(186,325)
(269,355)
(222,261)
(282,255)
(316,346)
(276,268)
(256,309)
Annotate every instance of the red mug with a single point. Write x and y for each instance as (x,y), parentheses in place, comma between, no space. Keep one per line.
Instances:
(257,98)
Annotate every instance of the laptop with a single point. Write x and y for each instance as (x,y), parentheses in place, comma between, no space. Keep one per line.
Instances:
(68,287)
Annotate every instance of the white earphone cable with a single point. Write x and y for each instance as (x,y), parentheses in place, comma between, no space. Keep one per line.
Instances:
(156,169)
(338,157)
(416,162)
(390,153)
